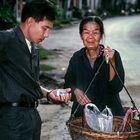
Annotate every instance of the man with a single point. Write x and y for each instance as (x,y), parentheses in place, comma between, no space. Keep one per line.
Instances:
(19,73)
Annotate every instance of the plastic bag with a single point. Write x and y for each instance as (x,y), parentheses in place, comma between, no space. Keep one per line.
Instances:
(96,120)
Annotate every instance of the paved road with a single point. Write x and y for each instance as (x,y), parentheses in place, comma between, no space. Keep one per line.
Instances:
(121,33)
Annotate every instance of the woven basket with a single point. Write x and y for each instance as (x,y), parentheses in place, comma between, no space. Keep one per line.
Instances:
(78,132)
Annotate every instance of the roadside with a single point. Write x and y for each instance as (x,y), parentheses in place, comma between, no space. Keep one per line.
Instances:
(54,117)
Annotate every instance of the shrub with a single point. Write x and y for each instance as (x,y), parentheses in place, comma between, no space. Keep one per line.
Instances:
(7,17)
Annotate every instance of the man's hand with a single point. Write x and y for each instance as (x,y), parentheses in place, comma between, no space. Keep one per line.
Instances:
(60,95)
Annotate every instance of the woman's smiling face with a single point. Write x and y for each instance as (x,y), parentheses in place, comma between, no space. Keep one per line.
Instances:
(91,35)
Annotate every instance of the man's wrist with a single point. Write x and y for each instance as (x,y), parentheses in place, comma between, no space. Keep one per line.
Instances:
(47,94)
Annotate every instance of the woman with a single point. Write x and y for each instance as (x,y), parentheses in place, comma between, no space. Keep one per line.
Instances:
(88,64)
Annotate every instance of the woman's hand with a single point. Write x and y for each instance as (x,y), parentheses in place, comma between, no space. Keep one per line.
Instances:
(109,52)
(81,98)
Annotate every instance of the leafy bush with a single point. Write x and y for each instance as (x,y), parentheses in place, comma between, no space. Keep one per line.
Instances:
(77,13)
(7,17)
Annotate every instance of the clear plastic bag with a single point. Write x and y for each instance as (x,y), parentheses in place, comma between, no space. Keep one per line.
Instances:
(96,120)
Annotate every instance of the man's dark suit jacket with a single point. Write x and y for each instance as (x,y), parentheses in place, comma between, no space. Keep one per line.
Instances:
(19,69)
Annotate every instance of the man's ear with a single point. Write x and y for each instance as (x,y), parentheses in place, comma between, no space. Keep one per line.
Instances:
(30,21)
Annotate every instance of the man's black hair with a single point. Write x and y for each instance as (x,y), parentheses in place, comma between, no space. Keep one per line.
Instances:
(38,10)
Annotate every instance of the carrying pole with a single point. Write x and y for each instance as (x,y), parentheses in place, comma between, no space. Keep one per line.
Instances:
(132,101)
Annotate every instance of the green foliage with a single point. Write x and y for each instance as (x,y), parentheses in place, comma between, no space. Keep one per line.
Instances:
(45,67)
(7,17)
(59,14)
(57,24)
(77,13)
(43,53)
(59,17)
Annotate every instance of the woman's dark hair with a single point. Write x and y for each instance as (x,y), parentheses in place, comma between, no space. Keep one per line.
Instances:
(88,19)
(38,10)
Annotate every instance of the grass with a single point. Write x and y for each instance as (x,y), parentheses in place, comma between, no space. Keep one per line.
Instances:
(45,67)
(43,54)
